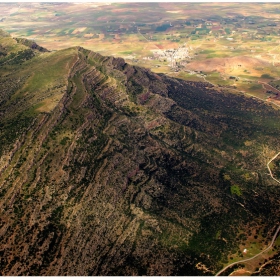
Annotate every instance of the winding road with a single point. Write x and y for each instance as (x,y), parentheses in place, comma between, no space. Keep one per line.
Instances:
(270,173)
(274,236)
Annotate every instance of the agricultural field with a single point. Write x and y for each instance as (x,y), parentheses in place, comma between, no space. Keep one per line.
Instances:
(233,46)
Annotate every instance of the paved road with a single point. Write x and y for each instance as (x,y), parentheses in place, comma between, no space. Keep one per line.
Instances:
(274,237)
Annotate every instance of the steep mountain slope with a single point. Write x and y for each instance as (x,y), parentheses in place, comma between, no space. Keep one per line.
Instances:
(110,169)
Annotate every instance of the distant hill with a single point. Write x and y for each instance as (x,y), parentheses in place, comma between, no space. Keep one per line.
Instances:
(110,169)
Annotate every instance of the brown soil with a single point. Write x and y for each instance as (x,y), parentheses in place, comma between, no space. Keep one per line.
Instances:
(224,64)
(241,272)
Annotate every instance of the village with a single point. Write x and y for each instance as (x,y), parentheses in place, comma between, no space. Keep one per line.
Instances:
(173,56)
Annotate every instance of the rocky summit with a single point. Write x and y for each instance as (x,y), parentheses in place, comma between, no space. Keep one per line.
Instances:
(109,169)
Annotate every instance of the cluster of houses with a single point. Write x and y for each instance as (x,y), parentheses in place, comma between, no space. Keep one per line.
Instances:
(172,55)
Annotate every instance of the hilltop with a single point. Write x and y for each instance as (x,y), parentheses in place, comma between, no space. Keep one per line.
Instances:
(110,169)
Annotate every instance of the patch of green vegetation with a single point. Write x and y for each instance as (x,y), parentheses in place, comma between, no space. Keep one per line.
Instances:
(256,87)
(163,27)
(235,189)
(249,77)
(64,140)
(207,51)
(32,111)
(168,239)
(266,76)
(126,52)
(214,54)
(211,240)
(195,37)
(12,128)
(48,70)
(189,77)
(57,14)
(228,31)
(17,57)
(70,30)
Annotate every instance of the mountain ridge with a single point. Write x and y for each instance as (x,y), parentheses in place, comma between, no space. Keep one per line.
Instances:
(110,169)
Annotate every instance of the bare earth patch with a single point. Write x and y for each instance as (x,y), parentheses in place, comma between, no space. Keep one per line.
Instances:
(226,64)
(241,272)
